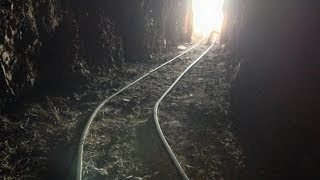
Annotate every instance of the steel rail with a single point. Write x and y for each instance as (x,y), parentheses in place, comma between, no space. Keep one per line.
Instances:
(93,115)
(156,118)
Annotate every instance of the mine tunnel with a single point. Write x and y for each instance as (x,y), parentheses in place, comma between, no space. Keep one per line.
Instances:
(160,89)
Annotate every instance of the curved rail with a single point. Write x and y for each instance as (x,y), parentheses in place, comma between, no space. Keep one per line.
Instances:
(93,115)
(156,118)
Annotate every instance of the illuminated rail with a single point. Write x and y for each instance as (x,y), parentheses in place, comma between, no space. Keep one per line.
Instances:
(93,115)
(156,118)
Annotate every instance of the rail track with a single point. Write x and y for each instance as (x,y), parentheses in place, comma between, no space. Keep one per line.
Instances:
(162,87)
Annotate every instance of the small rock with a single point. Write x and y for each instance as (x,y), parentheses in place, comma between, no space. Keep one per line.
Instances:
(76,96)
(181,47)
(126,100)
(174,124)
(6,57)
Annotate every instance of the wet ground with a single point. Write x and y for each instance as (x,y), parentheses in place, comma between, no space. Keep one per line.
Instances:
(123,143)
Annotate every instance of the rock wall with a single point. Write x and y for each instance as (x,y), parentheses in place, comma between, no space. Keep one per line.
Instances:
(148,26)
(55,44)
(23,28)
(275,90)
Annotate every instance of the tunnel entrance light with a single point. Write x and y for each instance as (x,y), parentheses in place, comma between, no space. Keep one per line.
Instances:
(207,16)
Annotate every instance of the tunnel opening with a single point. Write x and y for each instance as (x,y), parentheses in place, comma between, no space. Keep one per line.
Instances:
(248,110)
(207,16)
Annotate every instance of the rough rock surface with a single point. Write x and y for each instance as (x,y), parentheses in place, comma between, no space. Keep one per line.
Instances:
(49,42)
(23,28)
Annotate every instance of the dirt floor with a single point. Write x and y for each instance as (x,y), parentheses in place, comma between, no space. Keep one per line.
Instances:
(123,143)
(196,120)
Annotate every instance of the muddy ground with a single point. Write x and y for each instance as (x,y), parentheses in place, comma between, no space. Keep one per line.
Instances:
(123,143)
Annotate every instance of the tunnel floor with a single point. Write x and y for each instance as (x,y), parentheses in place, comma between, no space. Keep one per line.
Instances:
(123,143)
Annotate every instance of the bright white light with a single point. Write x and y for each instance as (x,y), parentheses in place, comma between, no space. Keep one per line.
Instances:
(207,15)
